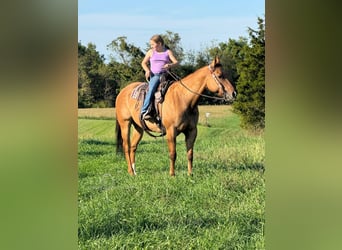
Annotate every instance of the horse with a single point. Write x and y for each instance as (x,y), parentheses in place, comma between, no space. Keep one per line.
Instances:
(179,113)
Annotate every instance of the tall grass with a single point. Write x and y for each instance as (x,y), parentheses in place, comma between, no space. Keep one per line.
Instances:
(220,207)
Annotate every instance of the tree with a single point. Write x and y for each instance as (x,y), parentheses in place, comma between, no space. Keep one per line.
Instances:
(84,92)
(125,63)
(230,55)
(90,77)
(250,101)
(172,40)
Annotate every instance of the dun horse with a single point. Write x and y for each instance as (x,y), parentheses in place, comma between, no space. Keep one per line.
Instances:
(179,112)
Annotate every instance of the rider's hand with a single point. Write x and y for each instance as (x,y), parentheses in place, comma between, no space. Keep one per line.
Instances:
(147,75)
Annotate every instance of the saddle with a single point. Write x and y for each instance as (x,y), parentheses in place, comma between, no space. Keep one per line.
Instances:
(139,94)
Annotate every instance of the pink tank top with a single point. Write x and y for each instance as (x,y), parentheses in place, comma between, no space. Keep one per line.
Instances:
(158,60)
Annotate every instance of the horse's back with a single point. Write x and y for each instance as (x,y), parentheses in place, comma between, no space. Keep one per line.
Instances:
(125,105)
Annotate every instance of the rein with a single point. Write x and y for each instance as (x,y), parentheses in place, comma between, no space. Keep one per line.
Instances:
(177,78)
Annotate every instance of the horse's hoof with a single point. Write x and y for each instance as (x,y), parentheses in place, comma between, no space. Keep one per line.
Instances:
(132,173)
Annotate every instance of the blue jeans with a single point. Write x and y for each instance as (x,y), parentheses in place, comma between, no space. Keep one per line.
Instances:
(152,87)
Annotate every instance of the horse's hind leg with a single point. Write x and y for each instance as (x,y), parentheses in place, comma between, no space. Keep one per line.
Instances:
(126,144)
(136,137)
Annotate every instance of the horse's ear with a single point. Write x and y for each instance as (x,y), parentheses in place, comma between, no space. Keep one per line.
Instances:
(215,62)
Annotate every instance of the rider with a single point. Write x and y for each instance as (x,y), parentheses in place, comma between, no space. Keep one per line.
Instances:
(161,58)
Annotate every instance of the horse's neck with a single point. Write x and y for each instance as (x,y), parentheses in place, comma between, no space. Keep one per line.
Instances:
(190,87)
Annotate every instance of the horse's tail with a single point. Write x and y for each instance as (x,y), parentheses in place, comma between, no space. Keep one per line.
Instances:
(118,137)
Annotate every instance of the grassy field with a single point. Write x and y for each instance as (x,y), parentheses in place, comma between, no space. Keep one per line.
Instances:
(222,206)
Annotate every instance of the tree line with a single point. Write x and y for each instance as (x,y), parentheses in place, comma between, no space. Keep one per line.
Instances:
(99,82)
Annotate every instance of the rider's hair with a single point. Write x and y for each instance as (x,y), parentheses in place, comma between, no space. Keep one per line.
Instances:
(159,39)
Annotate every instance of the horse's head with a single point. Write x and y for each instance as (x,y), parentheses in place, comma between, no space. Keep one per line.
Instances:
(217,83)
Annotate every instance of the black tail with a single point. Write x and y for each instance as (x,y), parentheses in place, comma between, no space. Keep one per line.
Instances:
(118,137)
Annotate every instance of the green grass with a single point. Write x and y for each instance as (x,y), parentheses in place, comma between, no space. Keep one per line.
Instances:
(221,206)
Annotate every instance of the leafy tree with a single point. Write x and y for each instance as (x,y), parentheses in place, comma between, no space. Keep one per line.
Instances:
(172,40)
(85,98)
(230,55)
(250,102)
(124,52)
(90,79)
(125,63)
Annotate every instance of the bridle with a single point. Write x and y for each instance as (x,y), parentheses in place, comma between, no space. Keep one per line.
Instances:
(217,80)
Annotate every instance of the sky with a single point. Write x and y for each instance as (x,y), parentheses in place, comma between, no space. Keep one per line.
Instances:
(199,24)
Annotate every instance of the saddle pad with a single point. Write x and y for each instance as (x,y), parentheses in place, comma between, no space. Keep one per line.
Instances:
(138,91)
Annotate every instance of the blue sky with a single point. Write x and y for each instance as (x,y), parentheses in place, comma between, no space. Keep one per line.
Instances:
(198,24)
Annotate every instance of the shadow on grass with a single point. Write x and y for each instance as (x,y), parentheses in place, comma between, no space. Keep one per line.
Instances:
(219,165)
(96,142)
(92,153)
(82,175)
(89,194)
(258,166)
(121,223)
(91,147)
(248,224)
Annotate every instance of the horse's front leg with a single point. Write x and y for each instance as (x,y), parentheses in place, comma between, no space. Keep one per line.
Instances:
(190,137)
(171,143)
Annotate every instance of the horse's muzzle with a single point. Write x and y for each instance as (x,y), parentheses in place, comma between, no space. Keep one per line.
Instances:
(230,97)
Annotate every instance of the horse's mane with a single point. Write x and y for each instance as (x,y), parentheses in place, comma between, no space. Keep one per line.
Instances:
(196,71)
(204,67)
